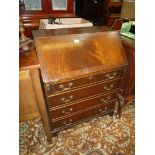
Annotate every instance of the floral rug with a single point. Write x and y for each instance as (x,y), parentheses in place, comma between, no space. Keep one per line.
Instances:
(99,136)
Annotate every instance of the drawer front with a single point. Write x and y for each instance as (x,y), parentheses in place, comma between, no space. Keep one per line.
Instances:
(63,86)
(71,120)
(85,104)
(66,97)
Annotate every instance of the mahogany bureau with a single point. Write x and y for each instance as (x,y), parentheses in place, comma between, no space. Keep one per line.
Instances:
(82,75)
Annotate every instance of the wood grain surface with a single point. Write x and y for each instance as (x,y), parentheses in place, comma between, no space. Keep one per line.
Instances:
(74,55)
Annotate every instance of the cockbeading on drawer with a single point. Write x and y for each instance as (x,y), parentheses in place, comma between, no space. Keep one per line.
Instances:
(83,92)
(82,81)
(84,114)
(104,99)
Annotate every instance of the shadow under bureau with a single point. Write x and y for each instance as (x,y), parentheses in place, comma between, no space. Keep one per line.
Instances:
(82,76)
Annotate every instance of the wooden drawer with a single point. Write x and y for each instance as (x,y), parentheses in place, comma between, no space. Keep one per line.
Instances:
(73,95)
(68,85)
(72,119)
(82,105)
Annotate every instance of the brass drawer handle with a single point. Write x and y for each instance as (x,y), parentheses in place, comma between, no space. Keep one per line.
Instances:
(67,100)
(62,87)
(105,101)
(67,112)
(109,88)
(111,76)
(48,87)
(65,123)
(105,109)
(91,77)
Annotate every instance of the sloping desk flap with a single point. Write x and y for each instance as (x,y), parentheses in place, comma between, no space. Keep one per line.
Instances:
(74,55)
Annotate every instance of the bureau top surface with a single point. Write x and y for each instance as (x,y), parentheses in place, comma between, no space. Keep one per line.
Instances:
(69,56)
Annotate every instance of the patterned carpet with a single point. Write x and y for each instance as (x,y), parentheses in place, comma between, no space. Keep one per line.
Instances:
(100,136)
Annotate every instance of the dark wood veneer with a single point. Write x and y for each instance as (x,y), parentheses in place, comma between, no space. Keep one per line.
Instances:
(70,119)
(128,84)
(69,58)
(60,57)
(73,107)
(82,80)
(76,94)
